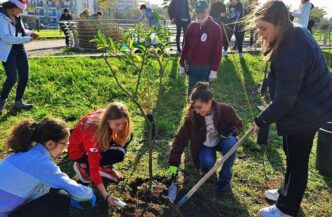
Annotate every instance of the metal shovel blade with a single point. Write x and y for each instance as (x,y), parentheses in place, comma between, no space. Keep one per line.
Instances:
(172,190)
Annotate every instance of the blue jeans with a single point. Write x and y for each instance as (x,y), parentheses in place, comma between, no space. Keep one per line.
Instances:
(17,63)
(196,74)
(207,158)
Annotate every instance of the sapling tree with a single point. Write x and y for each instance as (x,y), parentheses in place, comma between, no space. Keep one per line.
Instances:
(142,52)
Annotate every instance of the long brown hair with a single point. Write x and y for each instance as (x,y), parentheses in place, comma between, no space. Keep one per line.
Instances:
(114,111)
(202,93)
(276,13)
(28,132)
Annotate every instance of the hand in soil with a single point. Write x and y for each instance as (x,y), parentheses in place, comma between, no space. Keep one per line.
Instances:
(111,201)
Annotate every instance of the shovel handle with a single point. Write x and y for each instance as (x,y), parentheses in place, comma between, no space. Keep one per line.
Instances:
(185,198)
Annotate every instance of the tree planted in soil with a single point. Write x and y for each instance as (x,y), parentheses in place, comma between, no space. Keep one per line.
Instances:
(142,54)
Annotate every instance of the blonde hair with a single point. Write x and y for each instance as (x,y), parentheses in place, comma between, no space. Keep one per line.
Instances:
(114,111)
(276,13)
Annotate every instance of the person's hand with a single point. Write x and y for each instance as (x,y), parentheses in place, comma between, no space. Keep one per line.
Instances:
(111,201)
(34,36)
(182,72)
(255,129)
(172,171)
(212,76)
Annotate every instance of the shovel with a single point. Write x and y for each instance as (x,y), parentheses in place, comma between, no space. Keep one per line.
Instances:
(185,198)
(172,189)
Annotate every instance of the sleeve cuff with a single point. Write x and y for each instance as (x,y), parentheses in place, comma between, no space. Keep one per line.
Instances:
(260,122)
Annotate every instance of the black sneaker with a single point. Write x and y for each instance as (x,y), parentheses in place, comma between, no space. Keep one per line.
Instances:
(20,105)
(222,188)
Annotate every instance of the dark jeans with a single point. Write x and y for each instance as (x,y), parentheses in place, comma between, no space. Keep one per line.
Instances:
(113,155)
(196,74)
(54,204)
(297,148)
(226,32)
(180,25)
(207,158)
(17,64)
(67,38)
(239,37)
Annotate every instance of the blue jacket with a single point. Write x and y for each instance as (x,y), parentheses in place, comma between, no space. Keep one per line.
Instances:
(26,176)
(148,14)
(300,86)
(179,11)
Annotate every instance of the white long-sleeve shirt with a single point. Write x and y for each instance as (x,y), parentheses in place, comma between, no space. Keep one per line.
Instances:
(301,16)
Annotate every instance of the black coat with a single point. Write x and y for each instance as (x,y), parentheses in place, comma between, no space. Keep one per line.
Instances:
(300,86)
(179,10)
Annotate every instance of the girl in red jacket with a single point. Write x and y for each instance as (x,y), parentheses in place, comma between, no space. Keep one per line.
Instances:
(98,141)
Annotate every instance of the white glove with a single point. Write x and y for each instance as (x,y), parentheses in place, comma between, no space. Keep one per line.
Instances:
(212,76)
(182,72)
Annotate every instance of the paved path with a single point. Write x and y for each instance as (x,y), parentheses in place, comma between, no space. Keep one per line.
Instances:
(45,47)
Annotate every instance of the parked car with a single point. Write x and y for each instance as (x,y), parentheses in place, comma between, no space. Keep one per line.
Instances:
(52,26)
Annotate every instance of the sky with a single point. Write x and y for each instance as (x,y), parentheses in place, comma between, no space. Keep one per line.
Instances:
(294,4)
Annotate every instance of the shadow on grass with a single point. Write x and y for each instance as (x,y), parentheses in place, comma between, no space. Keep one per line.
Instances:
(12,112)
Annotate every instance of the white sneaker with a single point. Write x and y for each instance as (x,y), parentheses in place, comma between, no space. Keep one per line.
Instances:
(272,211)
(224,53)
(272,194)
(240,55)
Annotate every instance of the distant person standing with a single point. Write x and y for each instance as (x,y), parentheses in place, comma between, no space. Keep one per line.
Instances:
(66,16)
(202,48)
(97,15)
(85,14)
(12,53)
(149,14)
(178,12)
(236,12)
(301,15)
(219,14)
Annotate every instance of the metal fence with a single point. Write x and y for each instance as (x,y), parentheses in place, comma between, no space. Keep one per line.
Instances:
(82,31)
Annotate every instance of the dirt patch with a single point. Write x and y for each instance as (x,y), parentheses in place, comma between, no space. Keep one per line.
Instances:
(142,203)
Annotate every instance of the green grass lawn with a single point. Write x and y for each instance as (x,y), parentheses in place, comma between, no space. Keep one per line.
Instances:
(68,88)
(47,34)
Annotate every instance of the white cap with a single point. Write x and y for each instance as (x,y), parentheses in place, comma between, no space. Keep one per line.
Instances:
(20,3)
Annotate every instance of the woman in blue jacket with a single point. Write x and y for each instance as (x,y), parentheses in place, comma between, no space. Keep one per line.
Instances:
(12,53)
(31,184)
(300,86)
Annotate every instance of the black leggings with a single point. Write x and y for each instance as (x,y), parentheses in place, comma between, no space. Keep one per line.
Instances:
(297,148)
(181,25)
(17,64)
(54,204)
(113,155)
(239,37)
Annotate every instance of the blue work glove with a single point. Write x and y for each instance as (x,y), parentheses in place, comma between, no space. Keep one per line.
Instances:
(75,204)
(93,200)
